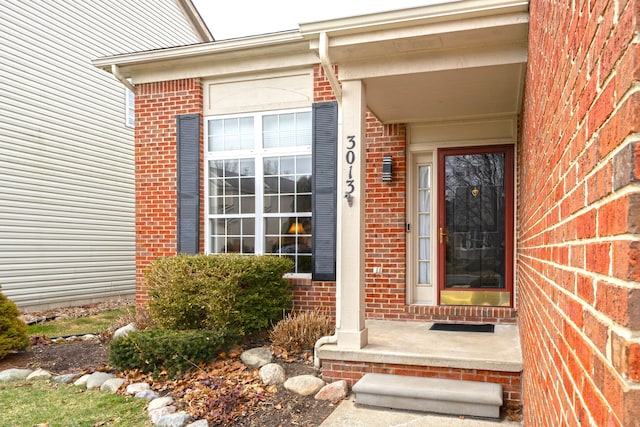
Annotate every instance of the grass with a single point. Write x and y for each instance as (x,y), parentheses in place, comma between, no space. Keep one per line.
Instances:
(81,325)
(28,403)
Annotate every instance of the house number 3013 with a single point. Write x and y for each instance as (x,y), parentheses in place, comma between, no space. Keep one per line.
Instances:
(350,157)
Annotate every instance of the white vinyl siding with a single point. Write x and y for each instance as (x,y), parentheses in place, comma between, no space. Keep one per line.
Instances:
(67,225)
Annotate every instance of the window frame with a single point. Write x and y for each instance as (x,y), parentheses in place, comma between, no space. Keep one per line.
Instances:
(129,108)
(258,153)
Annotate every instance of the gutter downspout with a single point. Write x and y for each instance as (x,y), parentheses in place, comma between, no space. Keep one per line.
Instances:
(325,62)
(116,73)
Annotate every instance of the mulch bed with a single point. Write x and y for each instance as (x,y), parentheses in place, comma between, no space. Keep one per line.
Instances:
(224,392)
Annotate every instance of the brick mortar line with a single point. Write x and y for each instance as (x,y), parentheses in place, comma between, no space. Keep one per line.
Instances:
(624,332)
(580,126)
(631,188)
(628,284)
(559,383)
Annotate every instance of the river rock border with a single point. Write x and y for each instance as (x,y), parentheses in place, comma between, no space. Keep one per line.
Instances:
(161,409)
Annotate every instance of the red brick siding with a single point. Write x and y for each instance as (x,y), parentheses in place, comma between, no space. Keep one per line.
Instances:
(350,371)
(157,105)
(578,215)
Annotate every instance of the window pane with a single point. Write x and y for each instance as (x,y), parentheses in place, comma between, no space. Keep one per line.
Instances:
(287,122)
(425,200)
(270,140)
(424,225)
(248,245)
(246,125)
(247,205)
(231,167)
(303,203)
(303,264)
(287,204)
(233,245)
(423,273)
(216,127)
(287,165)
(247,186)
(271,204)
(425,177)
(271,166)
(272,225)
(216,205)
(424,252)
(270,123)
(303,165)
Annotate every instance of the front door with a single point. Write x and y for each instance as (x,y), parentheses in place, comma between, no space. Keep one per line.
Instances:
(475,226)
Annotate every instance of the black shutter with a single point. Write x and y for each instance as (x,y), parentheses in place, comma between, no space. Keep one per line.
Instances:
(188,145)
(325,146)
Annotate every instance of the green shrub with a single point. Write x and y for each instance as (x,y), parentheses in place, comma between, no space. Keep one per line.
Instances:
(237,293)
(299,331)
(13,331)
(163,350)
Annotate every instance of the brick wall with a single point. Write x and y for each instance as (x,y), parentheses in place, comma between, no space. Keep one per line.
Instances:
(157,105)
(579,215)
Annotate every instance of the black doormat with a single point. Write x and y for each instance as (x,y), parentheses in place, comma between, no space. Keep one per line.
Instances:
(462,327)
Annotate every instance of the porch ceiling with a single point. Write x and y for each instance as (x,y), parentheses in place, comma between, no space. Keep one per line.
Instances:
(457,94)
(436,67)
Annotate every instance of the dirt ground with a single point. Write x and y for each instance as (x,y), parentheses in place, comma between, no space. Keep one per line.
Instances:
(279,407)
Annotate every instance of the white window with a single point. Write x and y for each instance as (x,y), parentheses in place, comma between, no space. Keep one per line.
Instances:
(258,192)
(129,111)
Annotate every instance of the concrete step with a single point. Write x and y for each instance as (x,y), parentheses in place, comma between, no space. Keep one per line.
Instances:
(443,396)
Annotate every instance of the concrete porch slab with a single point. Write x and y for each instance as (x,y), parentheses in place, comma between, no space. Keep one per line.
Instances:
(412,343)
(348,414)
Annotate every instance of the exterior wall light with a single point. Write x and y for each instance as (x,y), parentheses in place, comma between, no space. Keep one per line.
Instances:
(387,168)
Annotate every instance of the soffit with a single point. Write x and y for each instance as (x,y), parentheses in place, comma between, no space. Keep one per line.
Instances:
(436,66)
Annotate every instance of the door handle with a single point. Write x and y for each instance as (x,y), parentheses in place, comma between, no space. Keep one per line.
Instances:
(444,237)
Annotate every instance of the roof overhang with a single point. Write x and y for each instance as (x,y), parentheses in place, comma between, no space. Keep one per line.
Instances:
(461,60)
(457,61)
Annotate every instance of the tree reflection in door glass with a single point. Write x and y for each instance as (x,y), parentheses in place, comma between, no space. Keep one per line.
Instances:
(475,218)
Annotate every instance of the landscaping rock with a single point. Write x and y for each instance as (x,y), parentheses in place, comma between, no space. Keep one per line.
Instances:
(146,394)
(334,392)
(39,374)
(112,385)
(304,385)
(124,331)
(82,381)
(14,374)
(156,414)
(160,402)
(64,379)
(137,388)
(256,357)
(179,419)
(272,373)
(199,423)
(88,337)
(98,378)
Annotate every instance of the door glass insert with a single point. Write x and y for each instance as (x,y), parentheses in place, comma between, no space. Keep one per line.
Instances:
(475,226)
(424,224)
(475,199)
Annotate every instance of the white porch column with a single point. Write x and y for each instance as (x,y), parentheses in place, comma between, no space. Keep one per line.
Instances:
(351,181)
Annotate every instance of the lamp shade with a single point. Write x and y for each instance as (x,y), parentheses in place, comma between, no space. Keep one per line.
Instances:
(296,228)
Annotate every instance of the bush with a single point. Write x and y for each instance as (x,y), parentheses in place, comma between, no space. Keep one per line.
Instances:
(300,331)
(237,293)
(162,350)
(13,331)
